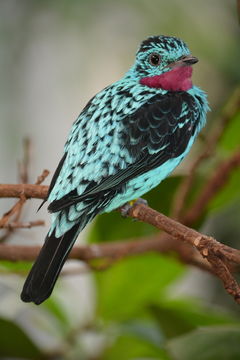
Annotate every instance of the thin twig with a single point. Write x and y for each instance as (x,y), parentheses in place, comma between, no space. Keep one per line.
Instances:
(16,210)
(21,225)
(24,163)
(212,186)
(42,177)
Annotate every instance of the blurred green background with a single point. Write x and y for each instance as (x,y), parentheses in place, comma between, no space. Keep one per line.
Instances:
(54,56)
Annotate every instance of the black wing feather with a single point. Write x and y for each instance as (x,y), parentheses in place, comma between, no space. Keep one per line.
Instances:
(54,178)
(145,132)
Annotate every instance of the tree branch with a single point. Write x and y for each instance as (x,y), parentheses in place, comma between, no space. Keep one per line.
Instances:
(23,225)
(28,190)
(219,256)
(115,250)
(191,246)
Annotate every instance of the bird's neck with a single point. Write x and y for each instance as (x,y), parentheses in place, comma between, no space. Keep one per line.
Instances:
(177,79)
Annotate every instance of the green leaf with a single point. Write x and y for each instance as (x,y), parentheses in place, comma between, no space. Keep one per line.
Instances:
(130,285)
(229,193)
(209,343)
(230,139)
(186,316)
(131,347)
(14,342)
(144,328)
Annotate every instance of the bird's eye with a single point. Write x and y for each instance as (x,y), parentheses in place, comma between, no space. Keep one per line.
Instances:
(154,59)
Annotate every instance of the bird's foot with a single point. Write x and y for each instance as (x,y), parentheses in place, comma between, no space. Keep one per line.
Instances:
(125,209)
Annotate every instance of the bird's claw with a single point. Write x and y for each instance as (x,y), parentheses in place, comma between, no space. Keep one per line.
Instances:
(125,209)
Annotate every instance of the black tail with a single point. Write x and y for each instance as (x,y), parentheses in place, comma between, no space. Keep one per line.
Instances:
(44,273)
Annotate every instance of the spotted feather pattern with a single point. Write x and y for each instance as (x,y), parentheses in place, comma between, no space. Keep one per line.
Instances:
(97,171)
(127,139)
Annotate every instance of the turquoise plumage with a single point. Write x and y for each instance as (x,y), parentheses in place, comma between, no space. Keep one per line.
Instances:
(127,139)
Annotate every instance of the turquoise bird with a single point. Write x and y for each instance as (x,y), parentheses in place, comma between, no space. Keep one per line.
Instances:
(127,139)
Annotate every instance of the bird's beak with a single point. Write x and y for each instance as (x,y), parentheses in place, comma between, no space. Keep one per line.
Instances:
(189,60)
(184,61)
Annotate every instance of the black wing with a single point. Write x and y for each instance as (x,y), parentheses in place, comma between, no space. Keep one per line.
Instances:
(158,131)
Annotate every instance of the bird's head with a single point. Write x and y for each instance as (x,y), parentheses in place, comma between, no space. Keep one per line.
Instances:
(164,62)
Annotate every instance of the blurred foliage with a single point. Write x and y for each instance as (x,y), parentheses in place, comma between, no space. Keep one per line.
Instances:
(20,267)
(131,277)
(230,139)
(137,311)
(15,343)
(208,344)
